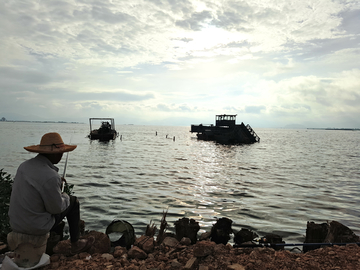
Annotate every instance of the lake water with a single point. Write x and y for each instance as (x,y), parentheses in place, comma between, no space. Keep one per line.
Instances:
(275,186)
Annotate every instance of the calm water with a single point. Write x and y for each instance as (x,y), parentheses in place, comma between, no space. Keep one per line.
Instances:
(275,186)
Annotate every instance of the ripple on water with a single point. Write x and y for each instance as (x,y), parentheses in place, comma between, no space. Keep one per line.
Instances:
(289,178)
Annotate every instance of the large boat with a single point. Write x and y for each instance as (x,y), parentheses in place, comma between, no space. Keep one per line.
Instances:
(226,131)
(106,132)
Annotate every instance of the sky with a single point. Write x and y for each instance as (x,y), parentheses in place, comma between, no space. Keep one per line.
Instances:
(273,63)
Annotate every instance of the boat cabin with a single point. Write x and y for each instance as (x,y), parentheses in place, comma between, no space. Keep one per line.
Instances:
(225,120)
(105,132)
(226,131)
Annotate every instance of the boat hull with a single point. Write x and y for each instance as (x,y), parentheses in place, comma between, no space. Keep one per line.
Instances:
(94,135)
(225,131)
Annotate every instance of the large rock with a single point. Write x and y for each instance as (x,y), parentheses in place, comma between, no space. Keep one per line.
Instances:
(137,253)
(102,242)
(101,245)
(187,228)
(244,235)
(339,233)
(170,242)
(221,230)
(333,232)
(146,243)
(204,248)
(185,241)
(63,247)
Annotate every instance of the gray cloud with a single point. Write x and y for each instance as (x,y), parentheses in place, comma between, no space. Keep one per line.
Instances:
(280,60)
(175,108)
(231,20)
(235,15)
(106,15)
(115,96)
(9,74)
(195,22)
(353,100)
(164,107)
(186,40)
(350,21)
(255,109)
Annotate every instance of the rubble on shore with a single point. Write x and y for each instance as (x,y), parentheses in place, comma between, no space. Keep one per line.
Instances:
(212,251)
(206,255)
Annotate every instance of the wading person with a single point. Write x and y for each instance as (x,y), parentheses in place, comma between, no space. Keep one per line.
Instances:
(37,204)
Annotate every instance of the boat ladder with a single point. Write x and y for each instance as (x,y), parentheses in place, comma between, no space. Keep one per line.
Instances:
(252,132)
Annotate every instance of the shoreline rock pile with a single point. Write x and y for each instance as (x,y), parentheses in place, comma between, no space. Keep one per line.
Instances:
(212,251)
(207,255)
(184,250)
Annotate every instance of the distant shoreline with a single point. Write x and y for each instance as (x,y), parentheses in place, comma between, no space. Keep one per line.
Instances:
(351,129)
(53,122)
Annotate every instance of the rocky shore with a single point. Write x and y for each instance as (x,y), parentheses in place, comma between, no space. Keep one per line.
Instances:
(184,250)
(206,255)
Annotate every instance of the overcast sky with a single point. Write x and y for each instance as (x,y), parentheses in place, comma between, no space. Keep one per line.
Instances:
(180,62)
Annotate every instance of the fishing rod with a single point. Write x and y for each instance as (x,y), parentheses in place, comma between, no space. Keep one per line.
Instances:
(293,245)
(64,173)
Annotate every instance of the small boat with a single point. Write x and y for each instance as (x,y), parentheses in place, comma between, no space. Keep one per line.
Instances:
(226,131)
(106,132)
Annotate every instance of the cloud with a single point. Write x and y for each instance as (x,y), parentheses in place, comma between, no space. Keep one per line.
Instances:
(318,96)
(109,16)
(279,61)
(174,108)
(255,109)
(125,72)
(9,74)
(196,21)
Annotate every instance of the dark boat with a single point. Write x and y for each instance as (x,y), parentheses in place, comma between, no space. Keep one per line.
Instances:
(226,131)
(106,132)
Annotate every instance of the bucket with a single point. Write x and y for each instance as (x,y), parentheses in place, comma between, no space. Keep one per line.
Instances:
(28,249)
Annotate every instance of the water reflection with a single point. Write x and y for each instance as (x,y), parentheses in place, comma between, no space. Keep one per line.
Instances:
(291,177)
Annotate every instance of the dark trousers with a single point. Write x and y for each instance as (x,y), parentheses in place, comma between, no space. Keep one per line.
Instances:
(72,214)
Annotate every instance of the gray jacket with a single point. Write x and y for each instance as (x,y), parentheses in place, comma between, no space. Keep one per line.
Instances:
(36,196)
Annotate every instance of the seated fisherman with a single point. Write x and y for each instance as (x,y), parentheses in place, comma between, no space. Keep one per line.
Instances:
(37,204)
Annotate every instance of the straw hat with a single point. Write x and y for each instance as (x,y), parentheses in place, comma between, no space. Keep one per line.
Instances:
(51,143)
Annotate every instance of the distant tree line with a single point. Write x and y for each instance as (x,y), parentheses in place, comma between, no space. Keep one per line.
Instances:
(3,119)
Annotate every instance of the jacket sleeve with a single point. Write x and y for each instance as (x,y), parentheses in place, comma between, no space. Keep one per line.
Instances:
(55,202)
